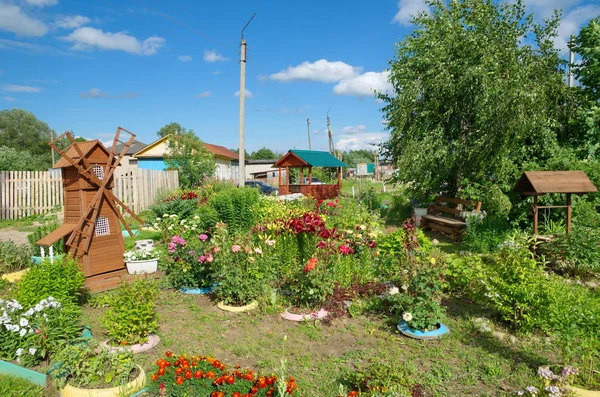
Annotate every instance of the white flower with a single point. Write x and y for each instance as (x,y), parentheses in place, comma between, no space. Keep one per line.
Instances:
(22,332)
(32,350)
(165,215)
(170,228)
(404,287)
(196,217)
(394,291)
(23,322)
(29,312)
(19,352)
(172,216)
(362,227)
(407,316)
(182,222)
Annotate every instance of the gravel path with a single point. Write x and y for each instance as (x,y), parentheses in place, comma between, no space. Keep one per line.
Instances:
(15,235)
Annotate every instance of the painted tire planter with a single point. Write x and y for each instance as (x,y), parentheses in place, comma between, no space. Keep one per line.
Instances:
(142,266)
(197,291)
(17,371)
(423,335)
(321,314)
(36,260)
(125,233)
(237,309)
(153,341)
(585,393)
(125,390)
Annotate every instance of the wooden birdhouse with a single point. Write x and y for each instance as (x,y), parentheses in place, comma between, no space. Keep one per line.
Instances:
(92,213)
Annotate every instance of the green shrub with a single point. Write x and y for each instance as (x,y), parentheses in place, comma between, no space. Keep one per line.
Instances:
(576,253)
(380,377)
(183,208)
(370,199)
(132,315)
(493,200)
(62,280)
(485,235)
(207,217)
(14,257)
(238,208)
(42,231)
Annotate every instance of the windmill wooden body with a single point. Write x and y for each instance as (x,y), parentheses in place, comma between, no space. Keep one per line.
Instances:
(91,231)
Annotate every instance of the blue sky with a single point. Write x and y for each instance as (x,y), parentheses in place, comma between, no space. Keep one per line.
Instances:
(90,66)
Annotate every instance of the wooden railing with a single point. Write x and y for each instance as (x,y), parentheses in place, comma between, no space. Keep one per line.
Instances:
(319,192)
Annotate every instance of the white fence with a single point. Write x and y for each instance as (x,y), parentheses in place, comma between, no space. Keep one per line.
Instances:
(25,193)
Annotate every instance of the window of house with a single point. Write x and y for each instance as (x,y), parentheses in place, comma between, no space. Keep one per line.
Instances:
(102,228)
(99,171)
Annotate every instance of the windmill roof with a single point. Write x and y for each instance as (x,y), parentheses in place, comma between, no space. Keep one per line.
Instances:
(540,182)
(85,148)
(313,158)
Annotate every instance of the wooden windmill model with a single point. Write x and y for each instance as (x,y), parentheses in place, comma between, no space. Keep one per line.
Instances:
(91,229)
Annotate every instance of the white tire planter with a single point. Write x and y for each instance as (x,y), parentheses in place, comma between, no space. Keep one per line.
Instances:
(142,266)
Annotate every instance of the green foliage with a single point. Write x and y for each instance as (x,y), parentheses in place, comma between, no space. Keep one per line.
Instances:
(12,159)
(471,99)
(21,129)
(171,129)
(14,257)
(42,231)
(62,280)
(493,200)
(400,210)
(576,253)
(463,274)
(184,209)
(87,366)
(381,377)
(34,333)
(132,315)
(19,387)
(188,155)
(485,235)
(311,284)
(370,199)
(238,208)
(207,217)
(354,157)
(587,70)
(264,154)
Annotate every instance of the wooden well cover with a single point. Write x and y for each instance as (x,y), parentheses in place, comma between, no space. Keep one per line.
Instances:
(533,183)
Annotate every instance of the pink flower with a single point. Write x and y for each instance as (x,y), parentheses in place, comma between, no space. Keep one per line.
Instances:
(258,250)
(216,249)
(236,248)
(172,247)
(209,258)
(37,331)
(345,250)
(203,237)
(202,259)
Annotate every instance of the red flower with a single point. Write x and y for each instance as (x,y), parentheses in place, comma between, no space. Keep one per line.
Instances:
(310,265)
(179,380)
(345,250)
(372,244)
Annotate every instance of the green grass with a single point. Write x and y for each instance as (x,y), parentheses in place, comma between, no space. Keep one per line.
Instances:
(464,363)
(141,235)
(16,387)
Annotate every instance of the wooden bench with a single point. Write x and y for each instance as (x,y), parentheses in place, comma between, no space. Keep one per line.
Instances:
(444,215)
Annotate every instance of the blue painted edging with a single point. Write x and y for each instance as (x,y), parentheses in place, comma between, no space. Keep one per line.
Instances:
(140,393)
(36,260)
(126,233)
(424,335)
(197,291)
(11,369)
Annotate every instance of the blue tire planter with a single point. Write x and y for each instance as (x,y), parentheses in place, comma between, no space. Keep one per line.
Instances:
(36,260)
(197,291)
(11,369)
(126,233)
(423,335)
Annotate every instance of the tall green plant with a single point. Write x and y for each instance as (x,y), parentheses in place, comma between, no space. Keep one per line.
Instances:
(238,208)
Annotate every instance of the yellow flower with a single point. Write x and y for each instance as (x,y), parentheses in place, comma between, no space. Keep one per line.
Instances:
(432,261)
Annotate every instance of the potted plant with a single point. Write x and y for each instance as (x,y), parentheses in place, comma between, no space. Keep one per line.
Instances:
(141,261)
(310,287)
(419,303)
(131,320)
(178,375)
(84,369)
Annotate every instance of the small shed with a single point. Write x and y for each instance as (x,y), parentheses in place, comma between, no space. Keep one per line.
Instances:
(308,159)
(536,183)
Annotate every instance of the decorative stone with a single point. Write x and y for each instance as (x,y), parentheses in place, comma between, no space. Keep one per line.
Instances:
(144,245)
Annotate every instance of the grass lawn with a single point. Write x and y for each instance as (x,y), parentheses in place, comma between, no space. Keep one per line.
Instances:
(16,387)
(464,363)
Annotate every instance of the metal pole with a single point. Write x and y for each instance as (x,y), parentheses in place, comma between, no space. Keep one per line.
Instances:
(571,82)
(308,129)
(242,151)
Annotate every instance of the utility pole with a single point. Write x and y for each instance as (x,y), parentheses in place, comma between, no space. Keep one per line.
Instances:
(571,62)
(331,147)
(242,150)
(52,150)
(308,130)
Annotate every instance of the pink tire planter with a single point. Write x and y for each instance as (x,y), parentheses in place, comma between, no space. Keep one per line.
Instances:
(321,314)
(153,340)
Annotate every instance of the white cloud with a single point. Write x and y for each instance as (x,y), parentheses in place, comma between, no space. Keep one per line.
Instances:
(72,21)
(185,58)
(364,85)
(87,38)
(97,93)
(544,8)
(203,94)
(212,56)
(216,72)
(248,94)
(321,70)
(354,129)
(12,19)
(572,21)
(363,140)
(8,98)
(20,88)
(41,3)
(408,8)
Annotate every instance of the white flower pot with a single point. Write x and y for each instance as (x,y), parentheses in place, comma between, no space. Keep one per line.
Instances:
(142,266)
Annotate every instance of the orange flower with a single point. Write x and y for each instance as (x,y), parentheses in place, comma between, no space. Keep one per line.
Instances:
(179,380)
(310,265)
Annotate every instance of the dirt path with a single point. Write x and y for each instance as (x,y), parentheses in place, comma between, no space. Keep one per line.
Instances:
(15,235)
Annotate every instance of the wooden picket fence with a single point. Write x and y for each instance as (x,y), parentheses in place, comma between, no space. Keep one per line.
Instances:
(26,193)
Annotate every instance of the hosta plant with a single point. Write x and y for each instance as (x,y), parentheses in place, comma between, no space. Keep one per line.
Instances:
(178,375)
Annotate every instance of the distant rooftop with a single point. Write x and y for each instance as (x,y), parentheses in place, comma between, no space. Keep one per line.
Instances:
(135,147)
